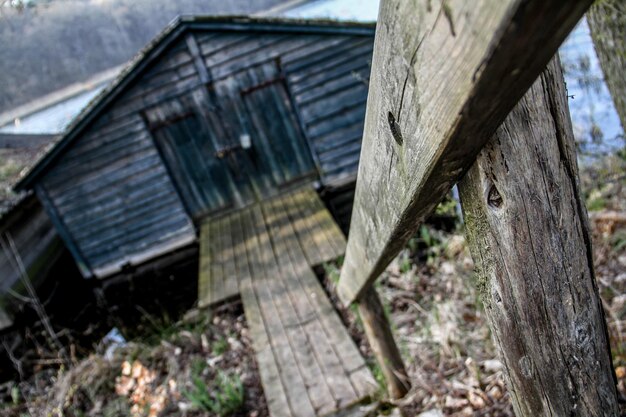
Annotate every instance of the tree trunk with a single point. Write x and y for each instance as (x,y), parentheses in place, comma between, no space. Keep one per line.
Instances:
(607,21)
(528,232)
(378,331)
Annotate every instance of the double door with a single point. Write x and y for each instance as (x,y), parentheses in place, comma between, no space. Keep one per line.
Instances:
(231,142)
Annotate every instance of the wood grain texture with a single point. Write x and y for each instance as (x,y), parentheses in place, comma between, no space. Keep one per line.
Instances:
(125,192)
(380,337)
(527,229)
(444,76)
(308,363)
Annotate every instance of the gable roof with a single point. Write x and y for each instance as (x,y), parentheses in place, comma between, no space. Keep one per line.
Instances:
(153,50)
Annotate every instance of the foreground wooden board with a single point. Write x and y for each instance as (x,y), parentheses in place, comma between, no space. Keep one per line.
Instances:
(444,76)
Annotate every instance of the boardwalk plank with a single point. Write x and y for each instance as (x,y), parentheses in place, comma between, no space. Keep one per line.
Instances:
(321,364)
(275,394)
(353,363)
(204,282)
(308,363)
(231,285)
(298,210)
(326,223)
(267,292)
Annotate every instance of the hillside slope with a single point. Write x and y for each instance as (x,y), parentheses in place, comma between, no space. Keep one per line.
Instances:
(54,44)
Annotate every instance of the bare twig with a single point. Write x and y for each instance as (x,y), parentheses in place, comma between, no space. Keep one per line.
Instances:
(8,245)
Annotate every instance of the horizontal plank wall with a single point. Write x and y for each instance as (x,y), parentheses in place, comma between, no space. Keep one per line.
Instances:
(111,186)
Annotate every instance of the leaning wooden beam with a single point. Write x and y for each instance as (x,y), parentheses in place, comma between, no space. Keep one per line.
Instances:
(378,331)
(444,75)
(527,229)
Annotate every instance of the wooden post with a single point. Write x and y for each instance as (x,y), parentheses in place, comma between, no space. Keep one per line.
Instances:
(527,230)
(378,331)
(445,74)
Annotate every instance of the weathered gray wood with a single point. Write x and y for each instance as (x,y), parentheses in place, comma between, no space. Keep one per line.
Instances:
(275,393)
(267,289)
(353,364)
(117,185)
(378,331)
(444,76)
(527,229)
(324,376)
(194,50)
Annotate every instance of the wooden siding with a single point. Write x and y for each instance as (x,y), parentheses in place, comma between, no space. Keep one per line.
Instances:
(327,77)
(37,243)
(111,189)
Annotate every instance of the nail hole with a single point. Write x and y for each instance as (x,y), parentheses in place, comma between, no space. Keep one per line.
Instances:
(395,129)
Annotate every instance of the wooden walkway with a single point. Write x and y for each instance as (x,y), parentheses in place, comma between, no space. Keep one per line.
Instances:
(308,363)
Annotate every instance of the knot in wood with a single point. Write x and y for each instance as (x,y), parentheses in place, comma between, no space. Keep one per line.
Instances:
(395,129)
(494,199)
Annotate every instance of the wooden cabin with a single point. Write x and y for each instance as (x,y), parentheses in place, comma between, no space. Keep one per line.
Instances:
(212,115)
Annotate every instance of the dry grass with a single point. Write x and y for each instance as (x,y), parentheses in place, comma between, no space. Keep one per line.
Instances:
(150,380)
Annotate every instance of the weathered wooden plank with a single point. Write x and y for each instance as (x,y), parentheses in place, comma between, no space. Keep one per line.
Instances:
(301,229)
(152,197)
(332,231)
(275,394)
(267,291)
(198,62)
(378,330)
(299,208)
(120,218)
(355,69)
(83,265)
(127,240)
(444,76)
(216,270)
(268,53)
(152,178)
(104,167)
(231,283)
(319,110)
(204,273)
(353,364)
(293,58)
(317,63)
(96,183)
(243,50)
(327,127)
(333,88)
(294,269)
(527,230)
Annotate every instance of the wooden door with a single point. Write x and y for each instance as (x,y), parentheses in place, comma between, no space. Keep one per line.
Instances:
(255,103)
(202,138)
(189,149)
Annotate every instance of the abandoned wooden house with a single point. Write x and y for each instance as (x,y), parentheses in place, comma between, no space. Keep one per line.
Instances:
(218,130)
(211,116)
(218,136)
